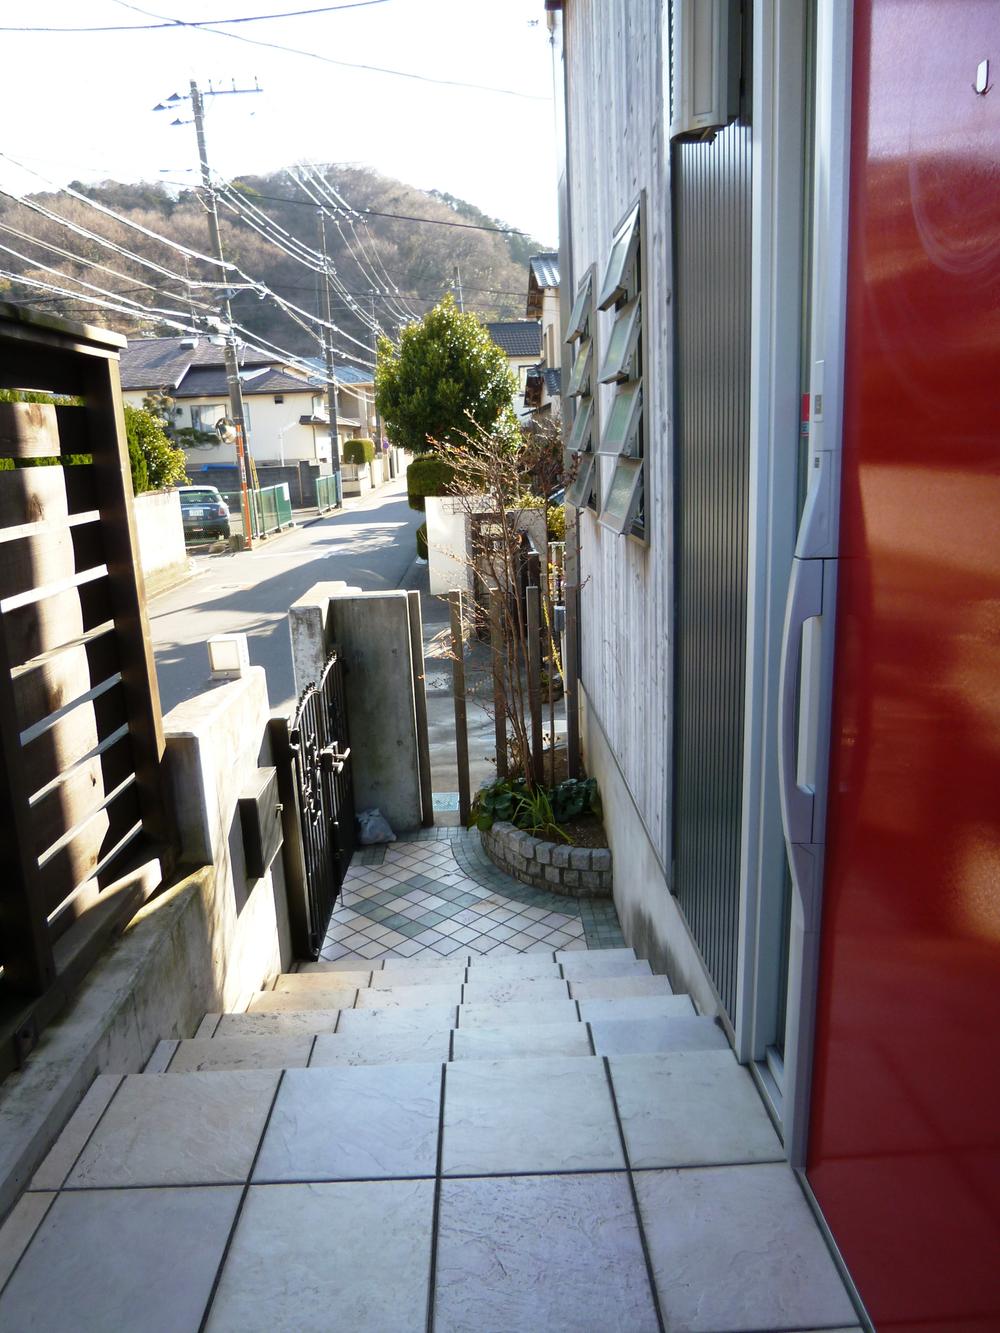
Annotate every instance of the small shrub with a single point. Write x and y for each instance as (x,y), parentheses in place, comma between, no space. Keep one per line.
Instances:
(359,451)
(541,811)
(428,475)
(164,464)
(555,517)
(422,541)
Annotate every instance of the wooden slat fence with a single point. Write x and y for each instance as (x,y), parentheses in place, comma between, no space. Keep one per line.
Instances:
(87,834)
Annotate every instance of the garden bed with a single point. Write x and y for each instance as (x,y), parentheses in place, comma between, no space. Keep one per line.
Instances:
(557,867)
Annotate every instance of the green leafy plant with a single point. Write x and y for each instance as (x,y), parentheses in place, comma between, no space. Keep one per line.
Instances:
(445,377)
(541,811)
(428,475)
(359,451)
(164,465)
(422,541)
(575,797)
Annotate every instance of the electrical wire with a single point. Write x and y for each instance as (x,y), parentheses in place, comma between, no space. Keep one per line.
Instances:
(259,287)
(346,64)
(373,254)
(399,217)
(201,23)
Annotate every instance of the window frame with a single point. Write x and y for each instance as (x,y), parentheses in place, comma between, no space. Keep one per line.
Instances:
(624,284)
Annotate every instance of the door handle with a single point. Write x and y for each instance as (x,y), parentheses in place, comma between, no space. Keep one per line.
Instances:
(805,601)
(333,758)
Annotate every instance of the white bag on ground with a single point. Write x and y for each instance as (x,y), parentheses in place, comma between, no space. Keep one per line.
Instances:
(373,828)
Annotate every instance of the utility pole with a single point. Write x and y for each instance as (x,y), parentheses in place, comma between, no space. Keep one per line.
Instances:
(378,418)
(233,384)
(331,376)
(456,282)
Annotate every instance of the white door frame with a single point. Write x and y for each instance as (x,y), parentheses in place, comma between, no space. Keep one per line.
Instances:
(777,223)
(775,359)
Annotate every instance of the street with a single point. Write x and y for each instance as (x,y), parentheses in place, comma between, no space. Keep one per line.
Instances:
(371,545)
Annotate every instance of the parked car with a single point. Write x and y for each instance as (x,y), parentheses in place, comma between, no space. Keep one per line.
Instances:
(204,512)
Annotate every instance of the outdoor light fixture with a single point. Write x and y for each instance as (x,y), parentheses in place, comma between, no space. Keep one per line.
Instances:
(228,655)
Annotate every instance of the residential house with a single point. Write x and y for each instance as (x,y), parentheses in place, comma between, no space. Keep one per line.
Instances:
(285,410)
(779,257)
(543,382)
(521,341)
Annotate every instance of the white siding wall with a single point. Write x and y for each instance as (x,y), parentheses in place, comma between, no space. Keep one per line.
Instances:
(616,148)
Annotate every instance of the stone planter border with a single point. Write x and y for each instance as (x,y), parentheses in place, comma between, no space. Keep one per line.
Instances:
(576,872)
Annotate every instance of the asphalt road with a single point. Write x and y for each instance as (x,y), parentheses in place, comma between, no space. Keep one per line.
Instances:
(371,545)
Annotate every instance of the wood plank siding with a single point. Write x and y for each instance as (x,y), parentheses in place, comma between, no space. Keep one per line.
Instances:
(616,148)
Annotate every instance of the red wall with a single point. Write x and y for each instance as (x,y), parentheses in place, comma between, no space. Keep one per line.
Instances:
(905,1142)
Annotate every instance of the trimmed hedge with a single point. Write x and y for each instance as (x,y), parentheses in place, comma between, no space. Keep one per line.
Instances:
(359,451)
(429,474)
(422,541)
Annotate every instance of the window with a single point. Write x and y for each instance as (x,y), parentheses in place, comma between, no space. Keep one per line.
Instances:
(279,397)
(582,491)
(622,440)
(205,417)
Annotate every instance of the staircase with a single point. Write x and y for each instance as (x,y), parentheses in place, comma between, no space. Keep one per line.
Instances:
(527,1142)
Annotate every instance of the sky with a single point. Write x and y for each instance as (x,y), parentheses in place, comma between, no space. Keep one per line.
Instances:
(79,105)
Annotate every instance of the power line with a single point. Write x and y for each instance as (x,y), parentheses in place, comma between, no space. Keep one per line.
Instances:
(349,64)
(402,217)
(201,23)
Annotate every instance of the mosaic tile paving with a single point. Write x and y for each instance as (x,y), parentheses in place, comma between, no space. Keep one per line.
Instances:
(436,891)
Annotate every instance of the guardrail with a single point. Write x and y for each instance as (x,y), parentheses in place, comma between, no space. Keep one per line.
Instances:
(328,492)
(270,510)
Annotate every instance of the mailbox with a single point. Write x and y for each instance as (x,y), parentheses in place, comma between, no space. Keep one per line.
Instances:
(260,818)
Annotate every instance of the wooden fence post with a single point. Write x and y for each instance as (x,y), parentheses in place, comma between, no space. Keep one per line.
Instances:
(499,700)
(458,688)
(532,600)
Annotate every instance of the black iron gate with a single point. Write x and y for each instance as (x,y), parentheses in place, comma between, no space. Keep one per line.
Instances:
(321,769)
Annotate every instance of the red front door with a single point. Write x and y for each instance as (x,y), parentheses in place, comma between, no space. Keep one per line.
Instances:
(905,1134)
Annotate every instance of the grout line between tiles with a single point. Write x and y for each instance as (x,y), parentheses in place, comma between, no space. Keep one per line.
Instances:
(239,1208)
(27,1246)
(312,1045)
(590,1034)
(635,1198)
(436,1212)
(93,1131)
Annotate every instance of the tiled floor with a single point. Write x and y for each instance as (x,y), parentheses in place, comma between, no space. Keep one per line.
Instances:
(506,1132)
(436,893)
(558,1192)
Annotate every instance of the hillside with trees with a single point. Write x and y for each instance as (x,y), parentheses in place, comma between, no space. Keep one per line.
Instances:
(409,264)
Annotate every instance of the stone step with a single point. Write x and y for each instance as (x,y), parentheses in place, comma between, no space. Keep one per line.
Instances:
(591,961)
(438,1041)
(532,967)
(540,1112)
(309,1020)
(293,991)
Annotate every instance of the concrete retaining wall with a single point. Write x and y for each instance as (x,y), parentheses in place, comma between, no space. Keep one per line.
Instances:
(579,872)
(161,540)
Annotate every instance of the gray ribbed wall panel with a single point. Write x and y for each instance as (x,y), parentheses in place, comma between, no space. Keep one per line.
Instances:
(711,199)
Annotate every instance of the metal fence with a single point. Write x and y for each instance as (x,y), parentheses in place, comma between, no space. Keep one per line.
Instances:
(328,492)
(270,510)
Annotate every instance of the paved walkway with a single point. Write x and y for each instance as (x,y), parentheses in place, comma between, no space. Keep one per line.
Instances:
(428,1135)
(436,892)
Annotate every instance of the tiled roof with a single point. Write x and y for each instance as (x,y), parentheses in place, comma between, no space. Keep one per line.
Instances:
(553,381)
(161,363)
(210,382)
(523,338)
(544,269)
(345,374)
